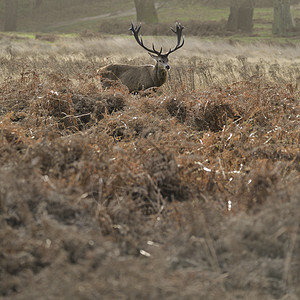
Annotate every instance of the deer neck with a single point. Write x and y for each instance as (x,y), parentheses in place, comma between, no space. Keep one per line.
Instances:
(160,75)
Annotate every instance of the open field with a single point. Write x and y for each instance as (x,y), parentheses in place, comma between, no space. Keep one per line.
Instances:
(113,17)
(191,192)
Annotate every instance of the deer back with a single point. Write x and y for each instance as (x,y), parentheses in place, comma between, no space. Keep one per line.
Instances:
(138,77)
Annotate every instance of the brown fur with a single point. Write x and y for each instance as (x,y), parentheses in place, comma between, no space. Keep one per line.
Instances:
(138,78)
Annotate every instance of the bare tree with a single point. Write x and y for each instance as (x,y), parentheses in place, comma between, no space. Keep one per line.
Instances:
(145,11)
(241,16)
(38,3)
(283,22)
(10,15)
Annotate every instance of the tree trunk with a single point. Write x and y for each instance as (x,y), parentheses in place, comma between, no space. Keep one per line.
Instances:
(232,23)
(11,15)
(145,11)
(283,22)
(38,3)
(241,16)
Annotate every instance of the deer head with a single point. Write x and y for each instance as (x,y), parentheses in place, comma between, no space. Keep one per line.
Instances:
(161,59)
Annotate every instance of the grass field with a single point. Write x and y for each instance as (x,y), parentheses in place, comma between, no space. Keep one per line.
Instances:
(113,17)
(191,192)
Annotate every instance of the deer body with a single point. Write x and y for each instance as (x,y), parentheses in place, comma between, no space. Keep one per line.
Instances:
(138,78)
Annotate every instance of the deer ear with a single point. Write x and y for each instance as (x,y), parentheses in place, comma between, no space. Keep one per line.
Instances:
(153,56)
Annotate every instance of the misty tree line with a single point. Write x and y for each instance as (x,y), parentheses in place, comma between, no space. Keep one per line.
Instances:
(240,18)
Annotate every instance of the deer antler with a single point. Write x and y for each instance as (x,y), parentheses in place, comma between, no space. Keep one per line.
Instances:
(178,31)
(139,39)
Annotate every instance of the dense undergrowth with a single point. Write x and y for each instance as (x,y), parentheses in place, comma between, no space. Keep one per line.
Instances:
(191,192)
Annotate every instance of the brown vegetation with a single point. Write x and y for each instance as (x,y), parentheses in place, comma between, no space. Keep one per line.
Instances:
(188,193)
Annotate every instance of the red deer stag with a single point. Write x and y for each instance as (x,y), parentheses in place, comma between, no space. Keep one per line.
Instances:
(138,78)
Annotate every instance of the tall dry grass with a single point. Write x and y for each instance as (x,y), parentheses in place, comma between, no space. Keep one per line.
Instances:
(200,63)
(190,192)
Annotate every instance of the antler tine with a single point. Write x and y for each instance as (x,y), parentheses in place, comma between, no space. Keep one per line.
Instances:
(178,32)
(137,29)
(139,39)
(132,28)
(179,29)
